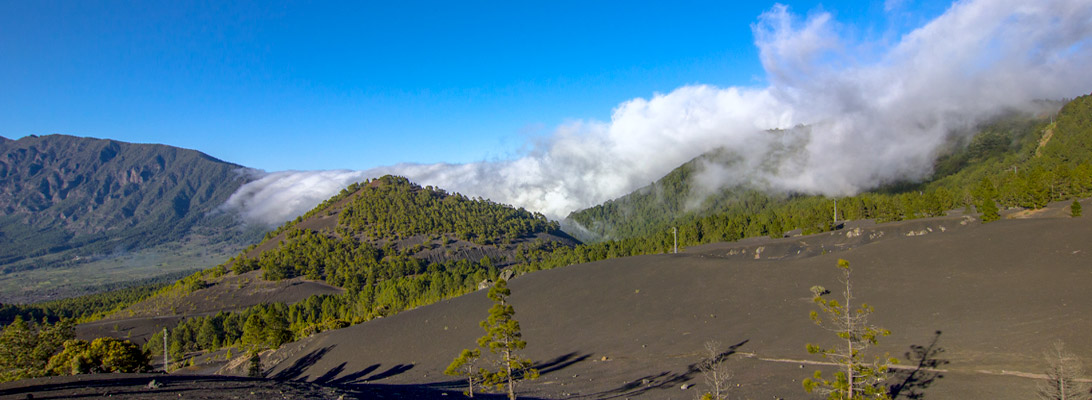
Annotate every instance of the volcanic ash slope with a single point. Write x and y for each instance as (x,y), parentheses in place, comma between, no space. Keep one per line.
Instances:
(992,297)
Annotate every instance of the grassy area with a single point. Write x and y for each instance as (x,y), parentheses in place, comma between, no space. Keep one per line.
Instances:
(100,274)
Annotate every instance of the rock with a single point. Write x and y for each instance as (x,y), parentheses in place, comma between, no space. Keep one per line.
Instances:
(685,386)
(154,385)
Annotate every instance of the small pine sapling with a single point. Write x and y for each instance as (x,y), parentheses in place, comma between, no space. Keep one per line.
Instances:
(1075,208)
(856,378)
(989,210)
(464,365)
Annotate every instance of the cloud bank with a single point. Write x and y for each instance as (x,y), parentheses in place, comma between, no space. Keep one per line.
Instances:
(874,113)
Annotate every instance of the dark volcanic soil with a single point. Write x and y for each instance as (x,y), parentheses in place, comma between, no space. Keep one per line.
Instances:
(988,299)
(136,386)
(992,296)
(230,292)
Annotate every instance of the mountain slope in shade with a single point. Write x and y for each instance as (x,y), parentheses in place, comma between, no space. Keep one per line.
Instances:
(65,200)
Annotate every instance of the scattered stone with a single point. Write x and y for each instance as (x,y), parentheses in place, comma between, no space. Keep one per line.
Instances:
(605,358)
(685,386)
(154,385)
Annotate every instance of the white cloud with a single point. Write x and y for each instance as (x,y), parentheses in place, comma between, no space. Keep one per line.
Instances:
(273,198)
(873,116)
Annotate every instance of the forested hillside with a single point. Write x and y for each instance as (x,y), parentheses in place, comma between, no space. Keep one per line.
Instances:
(653,208)
(392,244)
(392,227)
(67,200)
(1017,161)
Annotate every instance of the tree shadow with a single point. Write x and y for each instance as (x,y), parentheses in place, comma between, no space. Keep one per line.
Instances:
(297,368)
(663,380)
(350,378)
(913,382)
(395,370)
(331,374)
(560,363)
(546,367)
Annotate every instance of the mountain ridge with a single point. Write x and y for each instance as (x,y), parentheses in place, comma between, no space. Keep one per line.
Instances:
(65,200)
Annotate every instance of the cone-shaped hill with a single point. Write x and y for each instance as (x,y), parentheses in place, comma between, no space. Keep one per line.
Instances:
(394,221)
(376,248)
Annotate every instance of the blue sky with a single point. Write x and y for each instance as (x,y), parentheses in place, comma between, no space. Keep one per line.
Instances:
(324,85)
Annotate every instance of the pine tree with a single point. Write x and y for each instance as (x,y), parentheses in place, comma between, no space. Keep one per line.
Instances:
(275,328)
(254,338)
(856,378)
(989,210)
(503,337)
(26,346)
(255,369)
(1075,208)
(464,365)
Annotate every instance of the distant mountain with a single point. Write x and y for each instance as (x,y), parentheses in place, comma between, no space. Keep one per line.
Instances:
(66,199)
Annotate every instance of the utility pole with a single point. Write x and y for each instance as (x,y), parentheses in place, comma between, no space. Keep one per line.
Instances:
(165,349)
(675,231)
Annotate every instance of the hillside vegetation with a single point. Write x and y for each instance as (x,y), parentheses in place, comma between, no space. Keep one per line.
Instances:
(88,307)
(391,244)
(66,201)
(389,228)
(1018,161)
